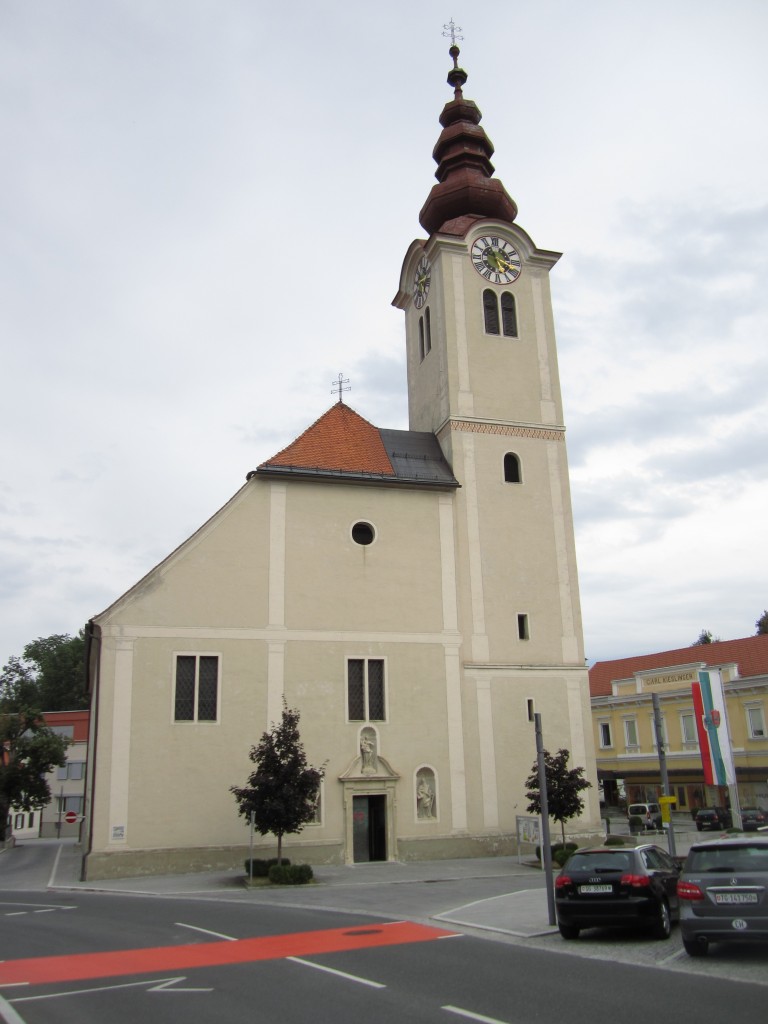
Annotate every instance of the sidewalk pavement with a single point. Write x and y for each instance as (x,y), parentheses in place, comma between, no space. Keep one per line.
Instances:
(500,894)
(506,896)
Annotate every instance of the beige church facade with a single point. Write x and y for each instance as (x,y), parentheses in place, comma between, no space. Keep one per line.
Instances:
(412,593)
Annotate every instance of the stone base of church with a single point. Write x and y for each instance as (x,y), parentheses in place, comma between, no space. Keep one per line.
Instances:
(137,863)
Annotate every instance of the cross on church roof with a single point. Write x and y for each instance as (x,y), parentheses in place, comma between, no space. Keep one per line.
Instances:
(338,386)
(452,30)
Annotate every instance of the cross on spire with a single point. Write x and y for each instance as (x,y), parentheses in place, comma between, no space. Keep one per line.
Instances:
(338,386)
(452,30)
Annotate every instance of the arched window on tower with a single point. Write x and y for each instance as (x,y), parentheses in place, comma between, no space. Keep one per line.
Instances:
(421,338)
(428,333)
(490,312)
(508,315)
(511,468)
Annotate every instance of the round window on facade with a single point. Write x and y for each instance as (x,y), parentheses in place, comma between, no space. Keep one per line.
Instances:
(363,533)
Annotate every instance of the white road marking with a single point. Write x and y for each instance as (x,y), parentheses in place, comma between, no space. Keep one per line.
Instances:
(340,974)
(473,1016)
(53,906)
(205,931)
(163,985)
(52,879)
(8,1015)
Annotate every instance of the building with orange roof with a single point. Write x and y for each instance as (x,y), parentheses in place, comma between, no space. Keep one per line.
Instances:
(412,593)
(624,733)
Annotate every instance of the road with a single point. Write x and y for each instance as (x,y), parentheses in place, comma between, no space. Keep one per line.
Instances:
(89,956)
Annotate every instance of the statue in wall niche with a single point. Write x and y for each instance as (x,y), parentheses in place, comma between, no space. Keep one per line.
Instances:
(425,798)
(368,752)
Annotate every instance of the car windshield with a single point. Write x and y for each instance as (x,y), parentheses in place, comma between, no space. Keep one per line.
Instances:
(732,858)
(599,862)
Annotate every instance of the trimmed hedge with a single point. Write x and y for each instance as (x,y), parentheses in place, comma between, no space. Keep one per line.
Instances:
(569,847)
(613,840)
(260,868)
(291,874)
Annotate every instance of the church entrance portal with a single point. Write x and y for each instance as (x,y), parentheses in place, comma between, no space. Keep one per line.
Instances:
(369,830)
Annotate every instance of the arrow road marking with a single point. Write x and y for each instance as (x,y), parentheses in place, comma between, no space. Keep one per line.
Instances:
(164,985)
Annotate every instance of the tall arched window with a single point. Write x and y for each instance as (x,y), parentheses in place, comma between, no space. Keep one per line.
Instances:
(507,324)
(428,325)
(508,315)
(511,468)
(490,312)
(421,337)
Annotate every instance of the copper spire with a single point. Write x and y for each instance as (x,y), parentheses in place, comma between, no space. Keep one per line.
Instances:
(466,190)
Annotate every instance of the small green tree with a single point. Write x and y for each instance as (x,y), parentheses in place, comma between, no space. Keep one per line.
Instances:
(761,626)
(705,637)
(28,748)
(563,787)
(282,791)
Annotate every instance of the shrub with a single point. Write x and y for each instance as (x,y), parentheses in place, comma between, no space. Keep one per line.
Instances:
(569,848)
(560,856)
(290,874)
(260,868)
(614,840)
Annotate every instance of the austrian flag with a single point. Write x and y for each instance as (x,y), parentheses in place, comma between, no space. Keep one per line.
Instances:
(712,728)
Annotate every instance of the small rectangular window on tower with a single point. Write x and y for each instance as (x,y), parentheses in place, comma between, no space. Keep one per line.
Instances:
(531,708)
(522,627)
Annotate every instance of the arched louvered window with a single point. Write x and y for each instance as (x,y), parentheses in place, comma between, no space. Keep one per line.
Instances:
(490,311)
(428,332)
(511,468)
(421,337)
(508,315)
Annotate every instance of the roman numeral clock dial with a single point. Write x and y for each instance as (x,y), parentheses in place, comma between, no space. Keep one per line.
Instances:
(421,282)
(495,259)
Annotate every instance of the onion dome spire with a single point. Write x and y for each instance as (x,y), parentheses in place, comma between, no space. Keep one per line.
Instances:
(466,190)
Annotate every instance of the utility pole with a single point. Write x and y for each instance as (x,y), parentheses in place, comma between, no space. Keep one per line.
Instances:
(663,766)
(546,845)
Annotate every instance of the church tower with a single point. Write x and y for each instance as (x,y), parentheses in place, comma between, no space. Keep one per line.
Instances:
(483,377)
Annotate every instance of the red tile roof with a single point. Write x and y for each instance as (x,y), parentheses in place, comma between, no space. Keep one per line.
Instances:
(342,441)
(750,654)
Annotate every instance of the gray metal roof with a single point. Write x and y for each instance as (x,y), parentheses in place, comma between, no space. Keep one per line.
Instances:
(417,457)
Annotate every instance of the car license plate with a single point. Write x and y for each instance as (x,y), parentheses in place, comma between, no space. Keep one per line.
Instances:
(735,897)
(595,888)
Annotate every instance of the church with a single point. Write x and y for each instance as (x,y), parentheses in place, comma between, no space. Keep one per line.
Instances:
(413,594)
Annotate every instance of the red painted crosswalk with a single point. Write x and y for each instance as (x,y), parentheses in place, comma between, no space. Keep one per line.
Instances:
(122,962)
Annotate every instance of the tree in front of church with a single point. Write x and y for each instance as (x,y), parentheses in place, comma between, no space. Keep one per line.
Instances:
(564,785)
(761,626)
(282,791)
(28,748)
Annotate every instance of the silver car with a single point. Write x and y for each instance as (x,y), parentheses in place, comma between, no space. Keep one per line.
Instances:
(723,892)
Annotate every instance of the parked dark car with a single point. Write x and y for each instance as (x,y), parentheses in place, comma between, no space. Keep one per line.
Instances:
(612,886)
(715,818)
(723,892)
(753,818)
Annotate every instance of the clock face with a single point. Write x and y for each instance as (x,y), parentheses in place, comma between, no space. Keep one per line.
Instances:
(495,259)
(421,280)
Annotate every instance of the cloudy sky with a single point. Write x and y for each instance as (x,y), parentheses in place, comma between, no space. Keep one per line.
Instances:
(204,206)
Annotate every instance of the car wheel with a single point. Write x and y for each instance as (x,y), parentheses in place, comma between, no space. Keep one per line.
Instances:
(569,931)
(662,926)
(696,947)
(699,828)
